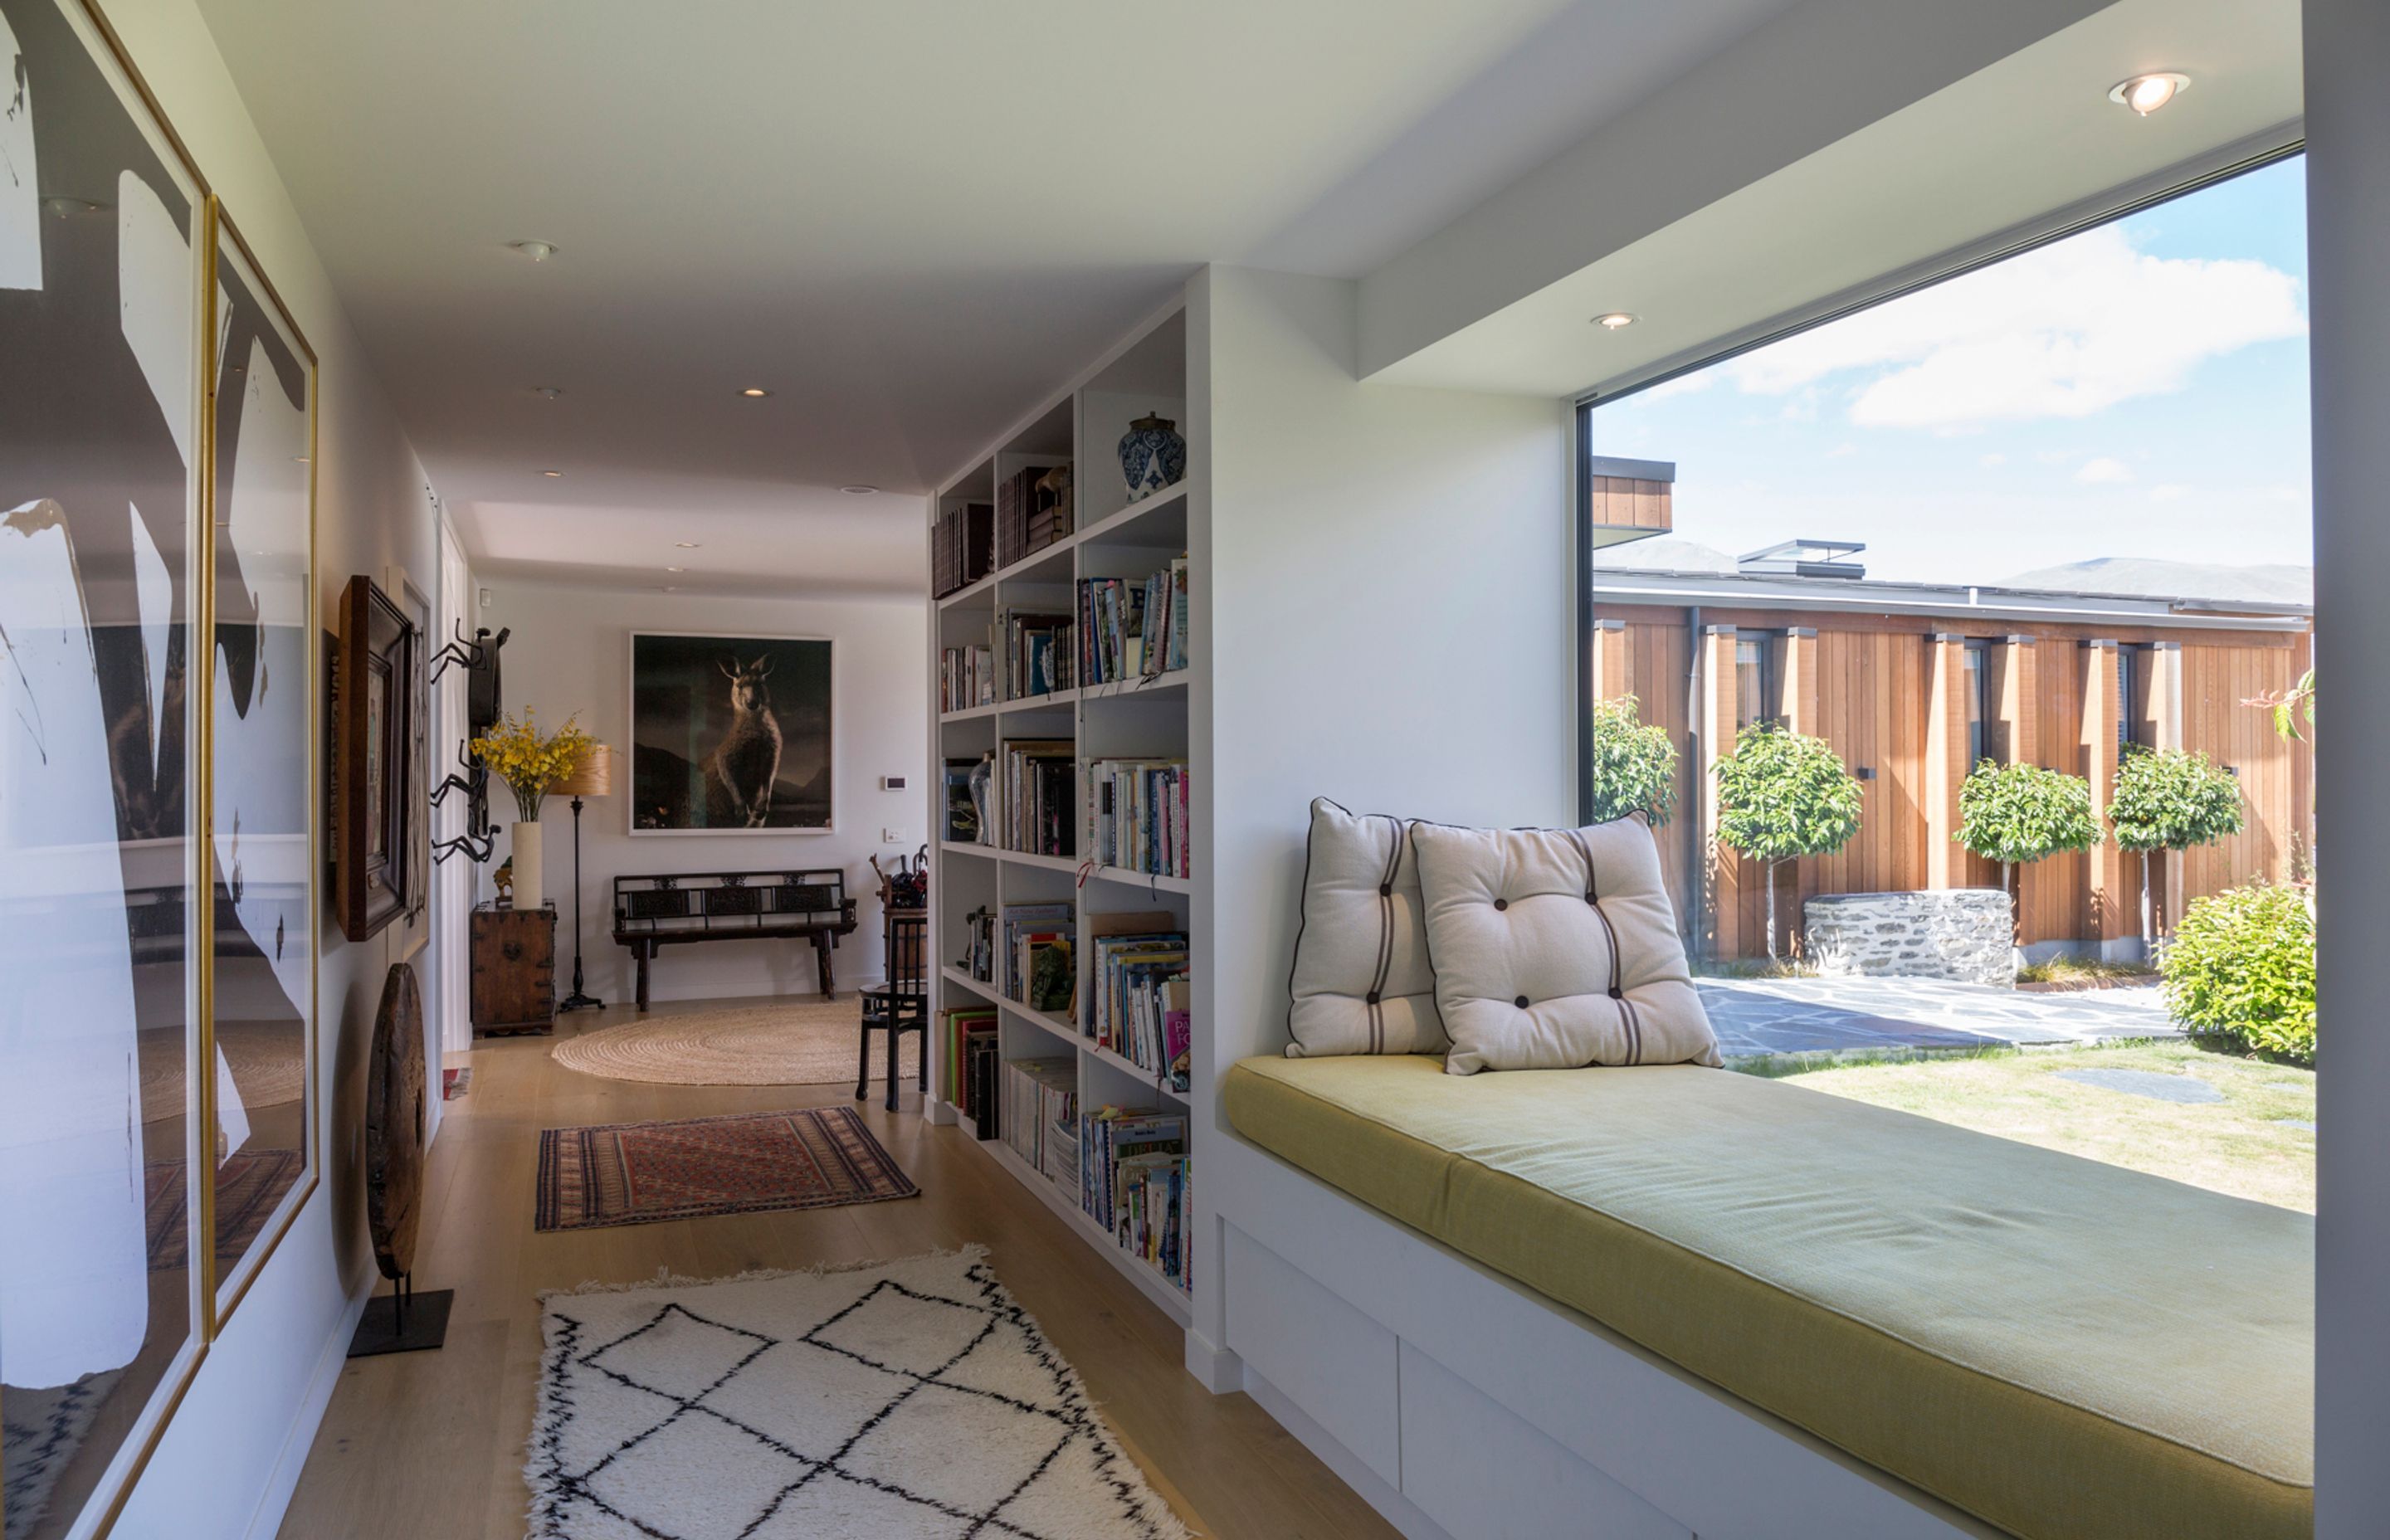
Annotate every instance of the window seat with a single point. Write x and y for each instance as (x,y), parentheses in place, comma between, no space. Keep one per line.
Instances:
(2057,1346)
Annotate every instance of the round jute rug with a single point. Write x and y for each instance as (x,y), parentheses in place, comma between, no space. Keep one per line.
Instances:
(267,1060)
(796,1043)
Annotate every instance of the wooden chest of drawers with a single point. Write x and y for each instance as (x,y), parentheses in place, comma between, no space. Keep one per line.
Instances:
(514,970)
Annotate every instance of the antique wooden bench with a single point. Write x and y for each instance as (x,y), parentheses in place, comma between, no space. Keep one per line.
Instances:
(667,910)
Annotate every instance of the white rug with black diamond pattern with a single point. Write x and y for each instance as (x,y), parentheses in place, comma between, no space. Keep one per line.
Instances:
(888,1402)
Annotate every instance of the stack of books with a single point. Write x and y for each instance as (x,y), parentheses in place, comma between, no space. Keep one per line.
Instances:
(1111,1135)
(1151,1202)
(979,960)
(966,678)
(1131,628)
(962,547)
(1040,1117)
(1029,516)
(967,1038)
(1037,653)
(1037,955)
(1137,993)
(1041,796)
(1136,815)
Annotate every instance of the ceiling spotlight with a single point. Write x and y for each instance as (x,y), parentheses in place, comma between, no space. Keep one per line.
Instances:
(551,475)
(675,569)
(858,490)
(2146,93)
(669,588)
(537,250)
(1612,319)
(754,392)
(685,545)
(545,393)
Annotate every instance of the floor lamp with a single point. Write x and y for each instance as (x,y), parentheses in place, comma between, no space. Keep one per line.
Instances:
(594,778)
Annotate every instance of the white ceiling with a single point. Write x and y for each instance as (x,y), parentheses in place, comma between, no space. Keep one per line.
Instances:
(906,220)
(2006,145)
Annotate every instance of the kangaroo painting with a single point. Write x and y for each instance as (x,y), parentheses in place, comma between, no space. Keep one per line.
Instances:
(747,761)
(730,735)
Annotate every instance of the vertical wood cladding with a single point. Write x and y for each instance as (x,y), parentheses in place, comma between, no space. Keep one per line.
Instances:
(1867,685)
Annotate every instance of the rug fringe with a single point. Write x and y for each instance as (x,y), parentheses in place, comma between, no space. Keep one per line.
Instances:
(666,1279)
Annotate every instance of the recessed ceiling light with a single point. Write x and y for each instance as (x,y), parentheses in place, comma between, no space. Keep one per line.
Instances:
(2146,93)
(1611,320)
(537,250)
(858,490)
(670,589)
(685,545)
(548,393)
(754,392)
(675,569)
(551,474)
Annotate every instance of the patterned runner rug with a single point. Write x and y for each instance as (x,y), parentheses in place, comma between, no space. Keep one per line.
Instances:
(894,1401)
(748,1162)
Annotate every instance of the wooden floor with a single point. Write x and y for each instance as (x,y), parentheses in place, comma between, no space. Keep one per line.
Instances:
(432,1444)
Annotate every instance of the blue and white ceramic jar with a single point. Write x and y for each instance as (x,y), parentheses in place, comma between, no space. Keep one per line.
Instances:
(1152,455)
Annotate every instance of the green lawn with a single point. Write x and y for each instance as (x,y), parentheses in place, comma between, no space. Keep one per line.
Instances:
(2236,1145)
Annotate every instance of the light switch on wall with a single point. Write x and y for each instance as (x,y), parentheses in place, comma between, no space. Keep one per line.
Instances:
(891,836)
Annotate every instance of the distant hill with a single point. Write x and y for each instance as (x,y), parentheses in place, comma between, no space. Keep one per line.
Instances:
(2150,577)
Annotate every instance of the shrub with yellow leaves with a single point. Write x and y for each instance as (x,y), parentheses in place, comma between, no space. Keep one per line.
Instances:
(529,763)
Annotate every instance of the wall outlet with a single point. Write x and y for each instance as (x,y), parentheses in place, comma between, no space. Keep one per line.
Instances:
(892,783)
(892,836)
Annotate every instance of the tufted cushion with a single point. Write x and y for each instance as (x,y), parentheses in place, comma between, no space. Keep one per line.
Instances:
(1556,948)
(1362,983)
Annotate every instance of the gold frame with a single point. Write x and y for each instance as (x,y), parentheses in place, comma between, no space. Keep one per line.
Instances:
(214,1312)
(108,1500)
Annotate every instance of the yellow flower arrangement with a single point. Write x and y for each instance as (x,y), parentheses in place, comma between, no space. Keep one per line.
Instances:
(529,763)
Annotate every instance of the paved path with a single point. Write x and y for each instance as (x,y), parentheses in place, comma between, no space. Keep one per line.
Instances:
(1891,1018)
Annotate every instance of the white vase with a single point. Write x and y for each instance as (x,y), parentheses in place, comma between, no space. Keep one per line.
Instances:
(529,893)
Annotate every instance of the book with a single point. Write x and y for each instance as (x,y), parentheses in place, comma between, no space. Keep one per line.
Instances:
(1041,796)
(957,1028)
(962,547)
(1036,653)
(1028,928)
(1041,1114)
(1137,816)
(1178,1032)
(1111,1135)
(966,678)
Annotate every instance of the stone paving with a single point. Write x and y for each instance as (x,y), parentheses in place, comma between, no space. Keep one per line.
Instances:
(1844,1017)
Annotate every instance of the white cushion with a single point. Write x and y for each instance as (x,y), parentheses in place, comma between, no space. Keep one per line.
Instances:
(1556,948)
(1362,980)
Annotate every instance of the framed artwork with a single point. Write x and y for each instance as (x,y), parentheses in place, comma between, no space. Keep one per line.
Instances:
(376,768)
(731,734)
(103,221)
(260,908)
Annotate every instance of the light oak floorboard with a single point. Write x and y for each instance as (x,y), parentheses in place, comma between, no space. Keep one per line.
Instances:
(432,1444)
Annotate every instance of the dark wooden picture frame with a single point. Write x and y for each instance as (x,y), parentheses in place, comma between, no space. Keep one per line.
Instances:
(374,698)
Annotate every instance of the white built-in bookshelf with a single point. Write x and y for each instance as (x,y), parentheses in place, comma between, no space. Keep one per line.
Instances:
(1141,719)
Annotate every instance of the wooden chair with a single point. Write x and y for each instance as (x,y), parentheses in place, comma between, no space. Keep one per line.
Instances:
(901,1004)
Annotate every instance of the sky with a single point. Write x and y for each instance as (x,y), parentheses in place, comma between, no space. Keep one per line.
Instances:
(2138,390)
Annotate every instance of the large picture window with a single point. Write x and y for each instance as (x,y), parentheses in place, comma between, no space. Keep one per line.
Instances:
(1991,542)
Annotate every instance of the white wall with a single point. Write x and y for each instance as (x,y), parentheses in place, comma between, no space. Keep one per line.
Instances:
(2349,230)
(570,651)
(237,1439)
(1388,621)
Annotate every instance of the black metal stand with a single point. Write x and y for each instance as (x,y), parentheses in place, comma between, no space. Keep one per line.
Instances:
(578,999)
(400,1322)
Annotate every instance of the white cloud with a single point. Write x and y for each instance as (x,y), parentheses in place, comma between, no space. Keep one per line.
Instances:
(2104,471)
(2064,331)
(1994,459)
(2169,492)
(1842,451)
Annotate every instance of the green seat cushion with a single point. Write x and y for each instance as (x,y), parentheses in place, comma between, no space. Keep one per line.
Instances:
(2057,1346)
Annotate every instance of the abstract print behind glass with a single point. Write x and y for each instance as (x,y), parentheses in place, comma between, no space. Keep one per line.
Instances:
(99,327)
(265,963)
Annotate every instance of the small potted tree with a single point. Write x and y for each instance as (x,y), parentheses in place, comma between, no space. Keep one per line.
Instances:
(1781,796)
(1634,765)
(2020,813)
(2171,799)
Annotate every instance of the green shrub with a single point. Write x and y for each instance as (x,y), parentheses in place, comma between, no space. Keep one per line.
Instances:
(2240,971)
(1781,796)
(1633,764)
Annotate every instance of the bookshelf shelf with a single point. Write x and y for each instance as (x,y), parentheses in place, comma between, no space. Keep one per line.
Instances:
(1009,895)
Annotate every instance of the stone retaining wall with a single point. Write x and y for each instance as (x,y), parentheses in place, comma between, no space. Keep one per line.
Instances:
(1959,934)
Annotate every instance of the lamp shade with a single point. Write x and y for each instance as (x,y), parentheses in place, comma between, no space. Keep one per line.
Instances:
(594,778)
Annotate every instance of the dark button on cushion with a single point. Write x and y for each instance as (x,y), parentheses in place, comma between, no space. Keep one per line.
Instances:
(1385,890)
(1520,1002)
(1615,992)
(1373,996)
(1501,904)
